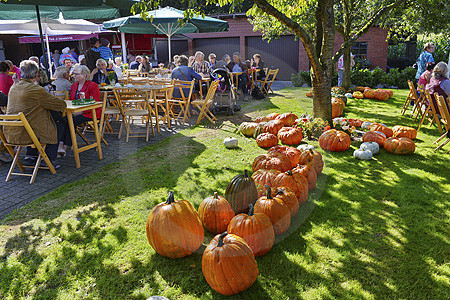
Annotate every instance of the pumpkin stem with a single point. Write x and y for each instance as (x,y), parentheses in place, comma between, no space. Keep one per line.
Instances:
(289,173)
(216,196)
(311,150)
(245,174)
(220,242)
(170,198)
(279,192)
(268,192)
(251,210)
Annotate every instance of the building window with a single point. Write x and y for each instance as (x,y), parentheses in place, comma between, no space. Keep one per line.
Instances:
(359,49)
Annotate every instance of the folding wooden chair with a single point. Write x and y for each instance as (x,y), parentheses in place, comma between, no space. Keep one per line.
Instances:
(108,110)
(203,105)
(444,105)
(430,112)
(21,121)
(184,101)
(266,83)
(134,104)
(412,96)
(138,80)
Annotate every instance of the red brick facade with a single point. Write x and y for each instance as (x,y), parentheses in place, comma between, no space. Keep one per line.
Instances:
(377,47)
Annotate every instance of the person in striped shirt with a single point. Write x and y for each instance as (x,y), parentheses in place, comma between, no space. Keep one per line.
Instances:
(104,50)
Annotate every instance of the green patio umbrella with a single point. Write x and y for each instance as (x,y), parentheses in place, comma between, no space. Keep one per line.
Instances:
(168,21)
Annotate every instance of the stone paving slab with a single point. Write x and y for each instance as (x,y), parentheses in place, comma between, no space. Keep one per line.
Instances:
(18,192)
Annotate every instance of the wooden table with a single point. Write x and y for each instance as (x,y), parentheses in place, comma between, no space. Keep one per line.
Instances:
(71,109)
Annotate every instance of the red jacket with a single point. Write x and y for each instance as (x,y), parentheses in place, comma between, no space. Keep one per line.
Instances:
(90,90)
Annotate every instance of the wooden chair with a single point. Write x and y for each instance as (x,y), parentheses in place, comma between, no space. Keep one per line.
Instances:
(160,102)
(61,94)
(444,105)
(138,81)
(203,105)
(266,83)
(131,73)
(412,96)
(108,110)
(184,101)
(430,112)
(127,97)
(234,83)
(21,121)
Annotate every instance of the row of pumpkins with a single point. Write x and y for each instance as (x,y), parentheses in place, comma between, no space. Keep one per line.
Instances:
(358,93)
(246,220)
(274,127)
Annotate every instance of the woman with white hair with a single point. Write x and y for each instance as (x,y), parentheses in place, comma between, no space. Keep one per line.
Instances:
(100,74)
(439,82)
(62,82)
(82,88)
(66,54)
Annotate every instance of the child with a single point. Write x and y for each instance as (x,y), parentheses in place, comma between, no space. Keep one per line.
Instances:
(104,50)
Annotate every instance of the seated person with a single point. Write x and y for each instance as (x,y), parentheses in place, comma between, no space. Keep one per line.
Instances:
(212,60)
(13,69)
(42,77)
(184,73)
(6,81)
(135,64)
(145,65)
(222,64)
(36,104)
(90,89)
(69,65)
(66,55)
(237,66)
(439,83)
(118,67)
(201,66)
(259,65)
(426,76)
(62,82)
(100,74)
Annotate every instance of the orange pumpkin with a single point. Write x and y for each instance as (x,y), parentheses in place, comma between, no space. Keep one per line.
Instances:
(261,119)
(277,161)
(381,128)
(381,95)
(296,182)
(264,177)
(334,140)
(291,152)
(174,228)
(404,131)
(266,140)
(272,116)
(308,172)
(337,107)
(255,229)
(310,93)
(276,210)
(358,95)
(369,93)
(290,135)
(288,197)
(273,126)
(288,119)
(313,158)
(229,265)
(401,145)
(215,213)
(374,136)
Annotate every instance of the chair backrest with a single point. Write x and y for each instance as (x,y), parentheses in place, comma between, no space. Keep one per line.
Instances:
(211,91)
(61,94)
(132,73)
(138,81)
(265,70)
(186,85)
(412,90)
(272,73)
(18,120)
(161,81)
(125,96)
(444,110)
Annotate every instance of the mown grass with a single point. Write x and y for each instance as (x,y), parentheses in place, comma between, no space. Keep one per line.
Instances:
(371,229)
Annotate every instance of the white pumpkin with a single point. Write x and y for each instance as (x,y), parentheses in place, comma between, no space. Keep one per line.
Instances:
(362,154)
(305,147)
(365,125)
(230,143)
(349,95)
(372,146)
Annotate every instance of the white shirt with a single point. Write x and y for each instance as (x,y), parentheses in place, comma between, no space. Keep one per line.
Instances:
(118,71)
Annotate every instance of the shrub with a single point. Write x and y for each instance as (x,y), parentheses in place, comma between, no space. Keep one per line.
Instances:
(297,80)
(306,77)
(361,77)
(361,63)
(408,74)
(377,77)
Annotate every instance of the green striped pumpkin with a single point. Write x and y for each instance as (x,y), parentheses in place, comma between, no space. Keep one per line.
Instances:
(240,192)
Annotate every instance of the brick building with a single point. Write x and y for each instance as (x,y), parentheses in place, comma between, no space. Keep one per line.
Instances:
(286,53)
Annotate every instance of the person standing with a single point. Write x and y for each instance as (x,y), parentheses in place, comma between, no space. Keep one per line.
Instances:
(340,66)
(56,57)
(73,53)
(425,57)
(92,54)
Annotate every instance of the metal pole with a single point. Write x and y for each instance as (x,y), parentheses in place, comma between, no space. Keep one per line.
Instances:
(170,49)
(48,54)
(124,47)
(42,41)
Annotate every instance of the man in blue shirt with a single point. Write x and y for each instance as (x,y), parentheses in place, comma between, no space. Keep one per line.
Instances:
(424,58)
(185,73)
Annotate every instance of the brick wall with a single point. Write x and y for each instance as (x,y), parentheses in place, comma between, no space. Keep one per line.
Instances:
(377,46)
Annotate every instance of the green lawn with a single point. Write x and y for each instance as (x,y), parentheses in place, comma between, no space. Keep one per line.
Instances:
(374,229)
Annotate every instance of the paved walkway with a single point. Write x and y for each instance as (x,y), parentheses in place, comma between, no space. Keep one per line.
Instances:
(18,192)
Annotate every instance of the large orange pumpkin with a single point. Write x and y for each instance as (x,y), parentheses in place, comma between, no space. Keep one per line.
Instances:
(229,265)
(272,116)
(309,172)
(313,158)
(273,126)
(381,128)
(374,136)
(290,135)
(215,213)
(174,228)
(296,182)
(255,229)
(334,140)
(369,93)
(261,119)
(288,119)
(276,210)
(292,153)
(381,95)
(401,145)
(337,107)
(276,161)
(288,197)
(404,131)
(263,177)
(266,140)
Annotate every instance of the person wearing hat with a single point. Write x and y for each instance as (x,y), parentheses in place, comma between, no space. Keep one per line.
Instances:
(66,55)
(92,54)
